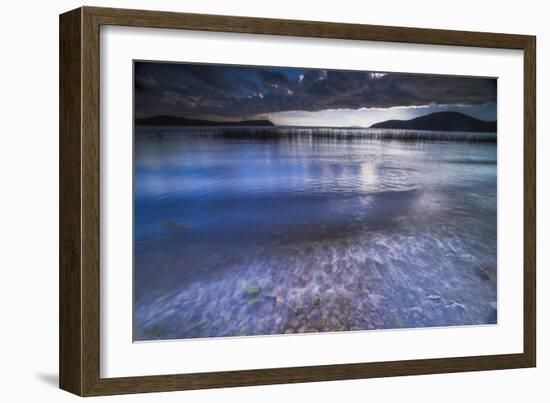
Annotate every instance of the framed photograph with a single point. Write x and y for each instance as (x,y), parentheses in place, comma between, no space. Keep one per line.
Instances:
(249,201)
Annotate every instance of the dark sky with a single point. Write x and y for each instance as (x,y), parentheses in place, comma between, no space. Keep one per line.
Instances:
(304,96)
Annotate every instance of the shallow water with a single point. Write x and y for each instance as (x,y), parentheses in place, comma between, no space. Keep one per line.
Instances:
(252,236)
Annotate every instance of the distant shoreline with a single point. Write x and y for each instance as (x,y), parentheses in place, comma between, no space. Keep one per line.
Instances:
(438,121)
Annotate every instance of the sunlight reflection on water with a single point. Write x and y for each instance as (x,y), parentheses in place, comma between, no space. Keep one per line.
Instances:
(247,237)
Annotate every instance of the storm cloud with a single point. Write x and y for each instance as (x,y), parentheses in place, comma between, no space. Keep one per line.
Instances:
(242,92)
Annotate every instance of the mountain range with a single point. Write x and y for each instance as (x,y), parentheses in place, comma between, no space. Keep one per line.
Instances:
(437,121)
(441,121)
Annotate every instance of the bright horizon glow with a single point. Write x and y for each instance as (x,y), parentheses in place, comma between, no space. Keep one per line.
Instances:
(366,117)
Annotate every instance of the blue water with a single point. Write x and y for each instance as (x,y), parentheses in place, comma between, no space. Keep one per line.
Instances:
(252,236)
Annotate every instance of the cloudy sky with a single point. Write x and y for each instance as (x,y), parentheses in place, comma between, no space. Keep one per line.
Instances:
(298,96)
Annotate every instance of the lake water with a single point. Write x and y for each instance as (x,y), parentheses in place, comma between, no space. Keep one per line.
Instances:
(252,236)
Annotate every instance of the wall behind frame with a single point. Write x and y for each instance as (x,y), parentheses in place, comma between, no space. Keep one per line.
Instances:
(29,213)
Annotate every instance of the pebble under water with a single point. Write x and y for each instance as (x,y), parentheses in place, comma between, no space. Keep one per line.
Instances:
(237,237)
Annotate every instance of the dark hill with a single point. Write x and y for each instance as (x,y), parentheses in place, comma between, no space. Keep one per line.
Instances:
(441,121)
(165,120)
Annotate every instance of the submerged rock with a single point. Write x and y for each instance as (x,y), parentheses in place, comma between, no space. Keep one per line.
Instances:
(319,323)
(294,323)
(399,322)
(304,279)
(252,291)
(254,301)
(334,322)
(297,310)
(315,313)
(154,331)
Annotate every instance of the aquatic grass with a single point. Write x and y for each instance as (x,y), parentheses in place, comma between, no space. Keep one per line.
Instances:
(276,133)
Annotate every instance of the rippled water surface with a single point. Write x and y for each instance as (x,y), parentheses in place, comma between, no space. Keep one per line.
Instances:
(250,236)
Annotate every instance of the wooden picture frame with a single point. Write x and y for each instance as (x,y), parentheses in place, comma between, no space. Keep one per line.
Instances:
(79,348)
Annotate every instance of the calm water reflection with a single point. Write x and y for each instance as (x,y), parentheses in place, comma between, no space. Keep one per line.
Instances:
(247,237)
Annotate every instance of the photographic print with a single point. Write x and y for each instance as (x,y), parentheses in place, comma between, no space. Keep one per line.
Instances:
(282,200)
